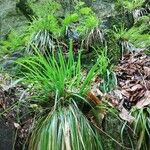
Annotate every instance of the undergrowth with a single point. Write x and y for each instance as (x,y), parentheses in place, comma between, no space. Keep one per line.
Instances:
(55,70)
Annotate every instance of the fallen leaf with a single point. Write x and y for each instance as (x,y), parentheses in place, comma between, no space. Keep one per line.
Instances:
(147,71)
(93,98)
(145,101)
(136,87)
(125,93)
(125,115)
(17,125)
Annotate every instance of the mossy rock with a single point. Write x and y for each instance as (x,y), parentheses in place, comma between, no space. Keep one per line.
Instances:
(113,127)
(7,135)
(11,18)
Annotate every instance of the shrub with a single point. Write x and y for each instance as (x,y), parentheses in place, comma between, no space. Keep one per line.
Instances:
(133,39)
(129,5)
(13,43)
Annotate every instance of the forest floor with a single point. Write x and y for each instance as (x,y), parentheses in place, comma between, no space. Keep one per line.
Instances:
(133,89)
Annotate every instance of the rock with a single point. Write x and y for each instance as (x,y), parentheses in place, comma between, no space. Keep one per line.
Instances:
(7,63)
(113,126)
(26,10)
(7,135)
(109,21)
(102,8)
(10,17)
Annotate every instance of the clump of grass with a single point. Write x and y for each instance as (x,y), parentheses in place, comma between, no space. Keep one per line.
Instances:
(53,73)
(60,77)
(141,126)
(47,27)
(49,23)
(65,128)
(86,25)
(43,32)
(134,6)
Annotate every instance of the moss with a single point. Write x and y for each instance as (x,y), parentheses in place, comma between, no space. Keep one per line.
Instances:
(113,126)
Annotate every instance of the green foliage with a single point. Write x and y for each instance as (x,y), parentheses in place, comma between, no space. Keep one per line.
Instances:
(70,19)
(142,126)
(114,52)
(49,23)
(48,26)
(85,11)
(43,40)
(134,35)
(53,73)
(14,41)
(65,128)
(109,83)
(48,10)
(42,32)
(45,8)
(94,38)
(147,51)
(85,17)
(129,5)
(109,78)
(103,63)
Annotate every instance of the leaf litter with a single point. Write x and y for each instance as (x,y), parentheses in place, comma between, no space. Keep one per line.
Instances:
(133,88)
(13,109)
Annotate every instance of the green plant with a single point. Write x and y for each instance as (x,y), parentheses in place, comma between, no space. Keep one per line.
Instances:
(49,23)
(110,120)
(103,62)
(43,32)
(44,8)
(133,39)
(14,41)
(129,5)
(59,78)
(95,37)
(65,128)
(109,83)
(43,40)
(142,126)
(109,78)
(54,72)
(45,27)
(85,17)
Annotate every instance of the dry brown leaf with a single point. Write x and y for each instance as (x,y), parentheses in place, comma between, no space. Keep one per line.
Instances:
(147,84)
(147,71)
(17,125)
(92,97)
(136,87)
(145,101)
(125,115)
(125,93)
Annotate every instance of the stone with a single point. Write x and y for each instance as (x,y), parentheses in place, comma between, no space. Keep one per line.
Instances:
(10,18)
(7,135)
